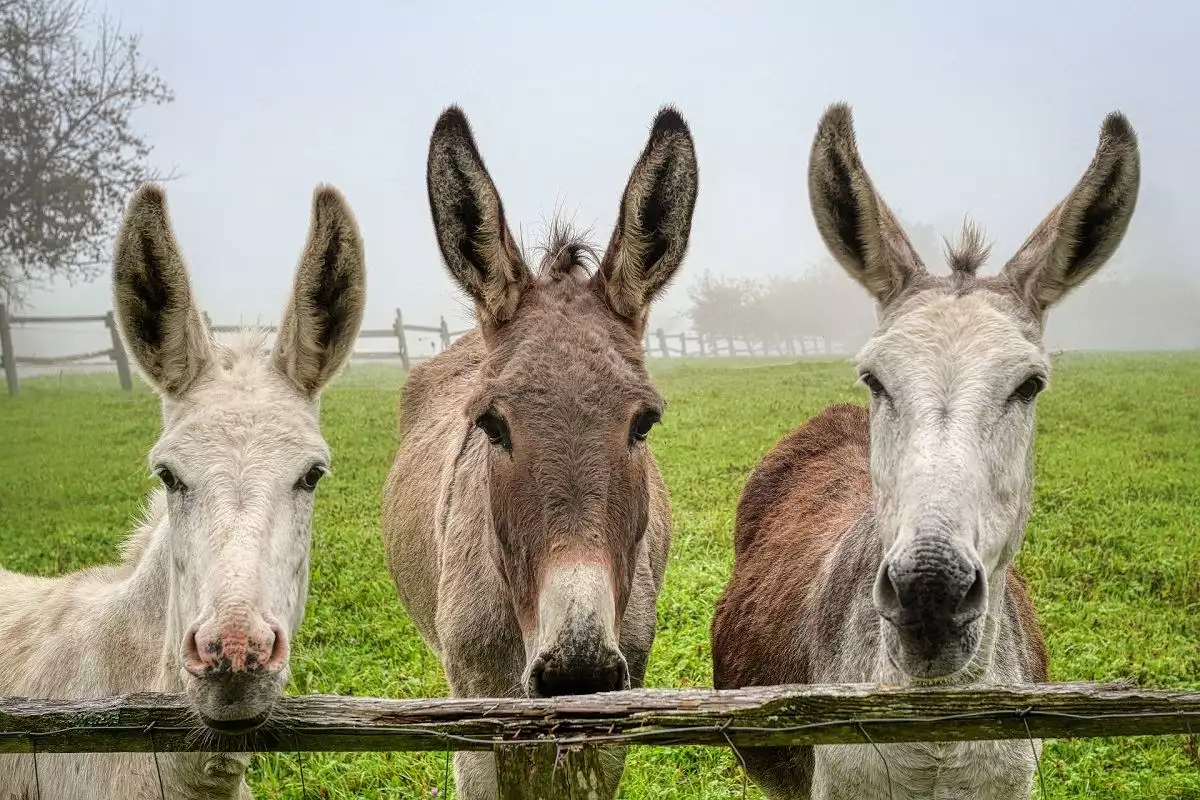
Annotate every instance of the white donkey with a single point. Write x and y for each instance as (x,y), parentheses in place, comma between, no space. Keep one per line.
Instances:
(213,582)
(878,547)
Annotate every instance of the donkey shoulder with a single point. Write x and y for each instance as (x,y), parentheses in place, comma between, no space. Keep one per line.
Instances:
(807,479)
(802,499)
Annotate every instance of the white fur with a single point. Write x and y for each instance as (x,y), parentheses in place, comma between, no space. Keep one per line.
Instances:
(228,555)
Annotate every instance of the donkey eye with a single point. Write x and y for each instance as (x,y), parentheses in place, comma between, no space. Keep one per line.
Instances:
(309,482)
(496,429)
(168,479)
(873,384)
(1029,389)
(642,423)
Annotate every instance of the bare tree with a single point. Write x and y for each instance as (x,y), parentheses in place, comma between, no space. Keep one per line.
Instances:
(69,156)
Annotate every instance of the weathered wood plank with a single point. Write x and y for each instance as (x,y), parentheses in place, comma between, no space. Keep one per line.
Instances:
(546,771)
(28,320)
(48,361)
(772,716)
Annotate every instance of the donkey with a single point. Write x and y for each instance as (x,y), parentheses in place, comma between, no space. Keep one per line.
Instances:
(879,547)
(213,581)
(525,520)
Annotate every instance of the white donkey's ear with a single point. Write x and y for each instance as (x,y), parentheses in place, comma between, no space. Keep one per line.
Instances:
(1080,235)
(325,310)
(156,315)
(859,229)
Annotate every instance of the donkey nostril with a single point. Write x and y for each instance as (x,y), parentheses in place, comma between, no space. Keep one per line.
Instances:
(193,661)
(974,600)
(538,678)
(277,648)
(887,596)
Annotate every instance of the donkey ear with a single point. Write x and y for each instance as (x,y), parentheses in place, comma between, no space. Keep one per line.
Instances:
(654,220)
(1085,229)
(858,228)
(321,321)
(155,312)
(468,217)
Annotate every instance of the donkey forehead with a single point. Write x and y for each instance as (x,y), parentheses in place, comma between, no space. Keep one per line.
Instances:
(937,331)
(570,359)
(241,430)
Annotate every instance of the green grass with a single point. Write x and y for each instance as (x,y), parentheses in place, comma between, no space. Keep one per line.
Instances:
(1112,554)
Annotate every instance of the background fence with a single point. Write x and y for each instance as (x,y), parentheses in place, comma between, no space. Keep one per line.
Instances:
(658,343)
(546,746)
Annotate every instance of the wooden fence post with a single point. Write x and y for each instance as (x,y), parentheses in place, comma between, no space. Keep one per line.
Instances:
(402,341)
(544,771)
(683,344)
(445,334)
(662,343)
(7,353)
(118,352)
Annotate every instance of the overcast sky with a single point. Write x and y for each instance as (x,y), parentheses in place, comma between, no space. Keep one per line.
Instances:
(961,108)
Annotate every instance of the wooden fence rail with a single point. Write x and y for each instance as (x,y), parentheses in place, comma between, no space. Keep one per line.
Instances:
(544,745)
(768,716)
(658,343)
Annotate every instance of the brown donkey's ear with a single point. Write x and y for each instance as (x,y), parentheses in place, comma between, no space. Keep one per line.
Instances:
(325,309)
(1085,229)
(468,217)
(858,228)
(155,312)
(654,220)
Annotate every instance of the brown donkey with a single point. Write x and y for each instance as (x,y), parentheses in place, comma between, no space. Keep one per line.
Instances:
(525,520)
(878,547)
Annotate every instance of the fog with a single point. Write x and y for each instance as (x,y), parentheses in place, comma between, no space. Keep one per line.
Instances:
(990,111)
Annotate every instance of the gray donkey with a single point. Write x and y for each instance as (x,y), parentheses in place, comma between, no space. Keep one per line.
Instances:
(525,520)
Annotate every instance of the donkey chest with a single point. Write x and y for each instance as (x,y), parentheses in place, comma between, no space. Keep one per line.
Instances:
(926,771)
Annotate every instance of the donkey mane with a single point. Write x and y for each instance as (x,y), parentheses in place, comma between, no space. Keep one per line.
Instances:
(969,253)
(565,250)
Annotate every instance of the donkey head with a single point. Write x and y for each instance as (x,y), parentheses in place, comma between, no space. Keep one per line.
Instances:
(954,369)
(565,402)
(240,452)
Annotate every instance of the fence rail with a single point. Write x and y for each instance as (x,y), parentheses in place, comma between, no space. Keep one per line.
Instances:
(658,343)
(545,745)
(753,717)
(116,353)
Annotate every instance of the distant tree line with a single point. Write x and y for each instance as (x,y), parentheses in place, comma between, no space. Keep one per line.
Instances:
(1153,305)
(782,314)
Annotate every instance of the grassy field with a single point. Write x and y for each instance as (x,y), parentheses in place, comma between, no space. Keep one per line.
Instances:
(1112,556)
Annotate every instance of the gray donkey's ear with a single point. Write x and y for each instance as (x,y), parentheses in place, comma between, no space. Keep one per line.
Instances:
(155,312)
(654,221)
(1080,235)
(468,218)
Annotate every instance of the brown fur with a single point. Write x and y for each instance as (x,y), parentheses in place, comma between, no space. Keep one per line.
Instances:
(804,542)
(811,598)
(808,493)
(556,374)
